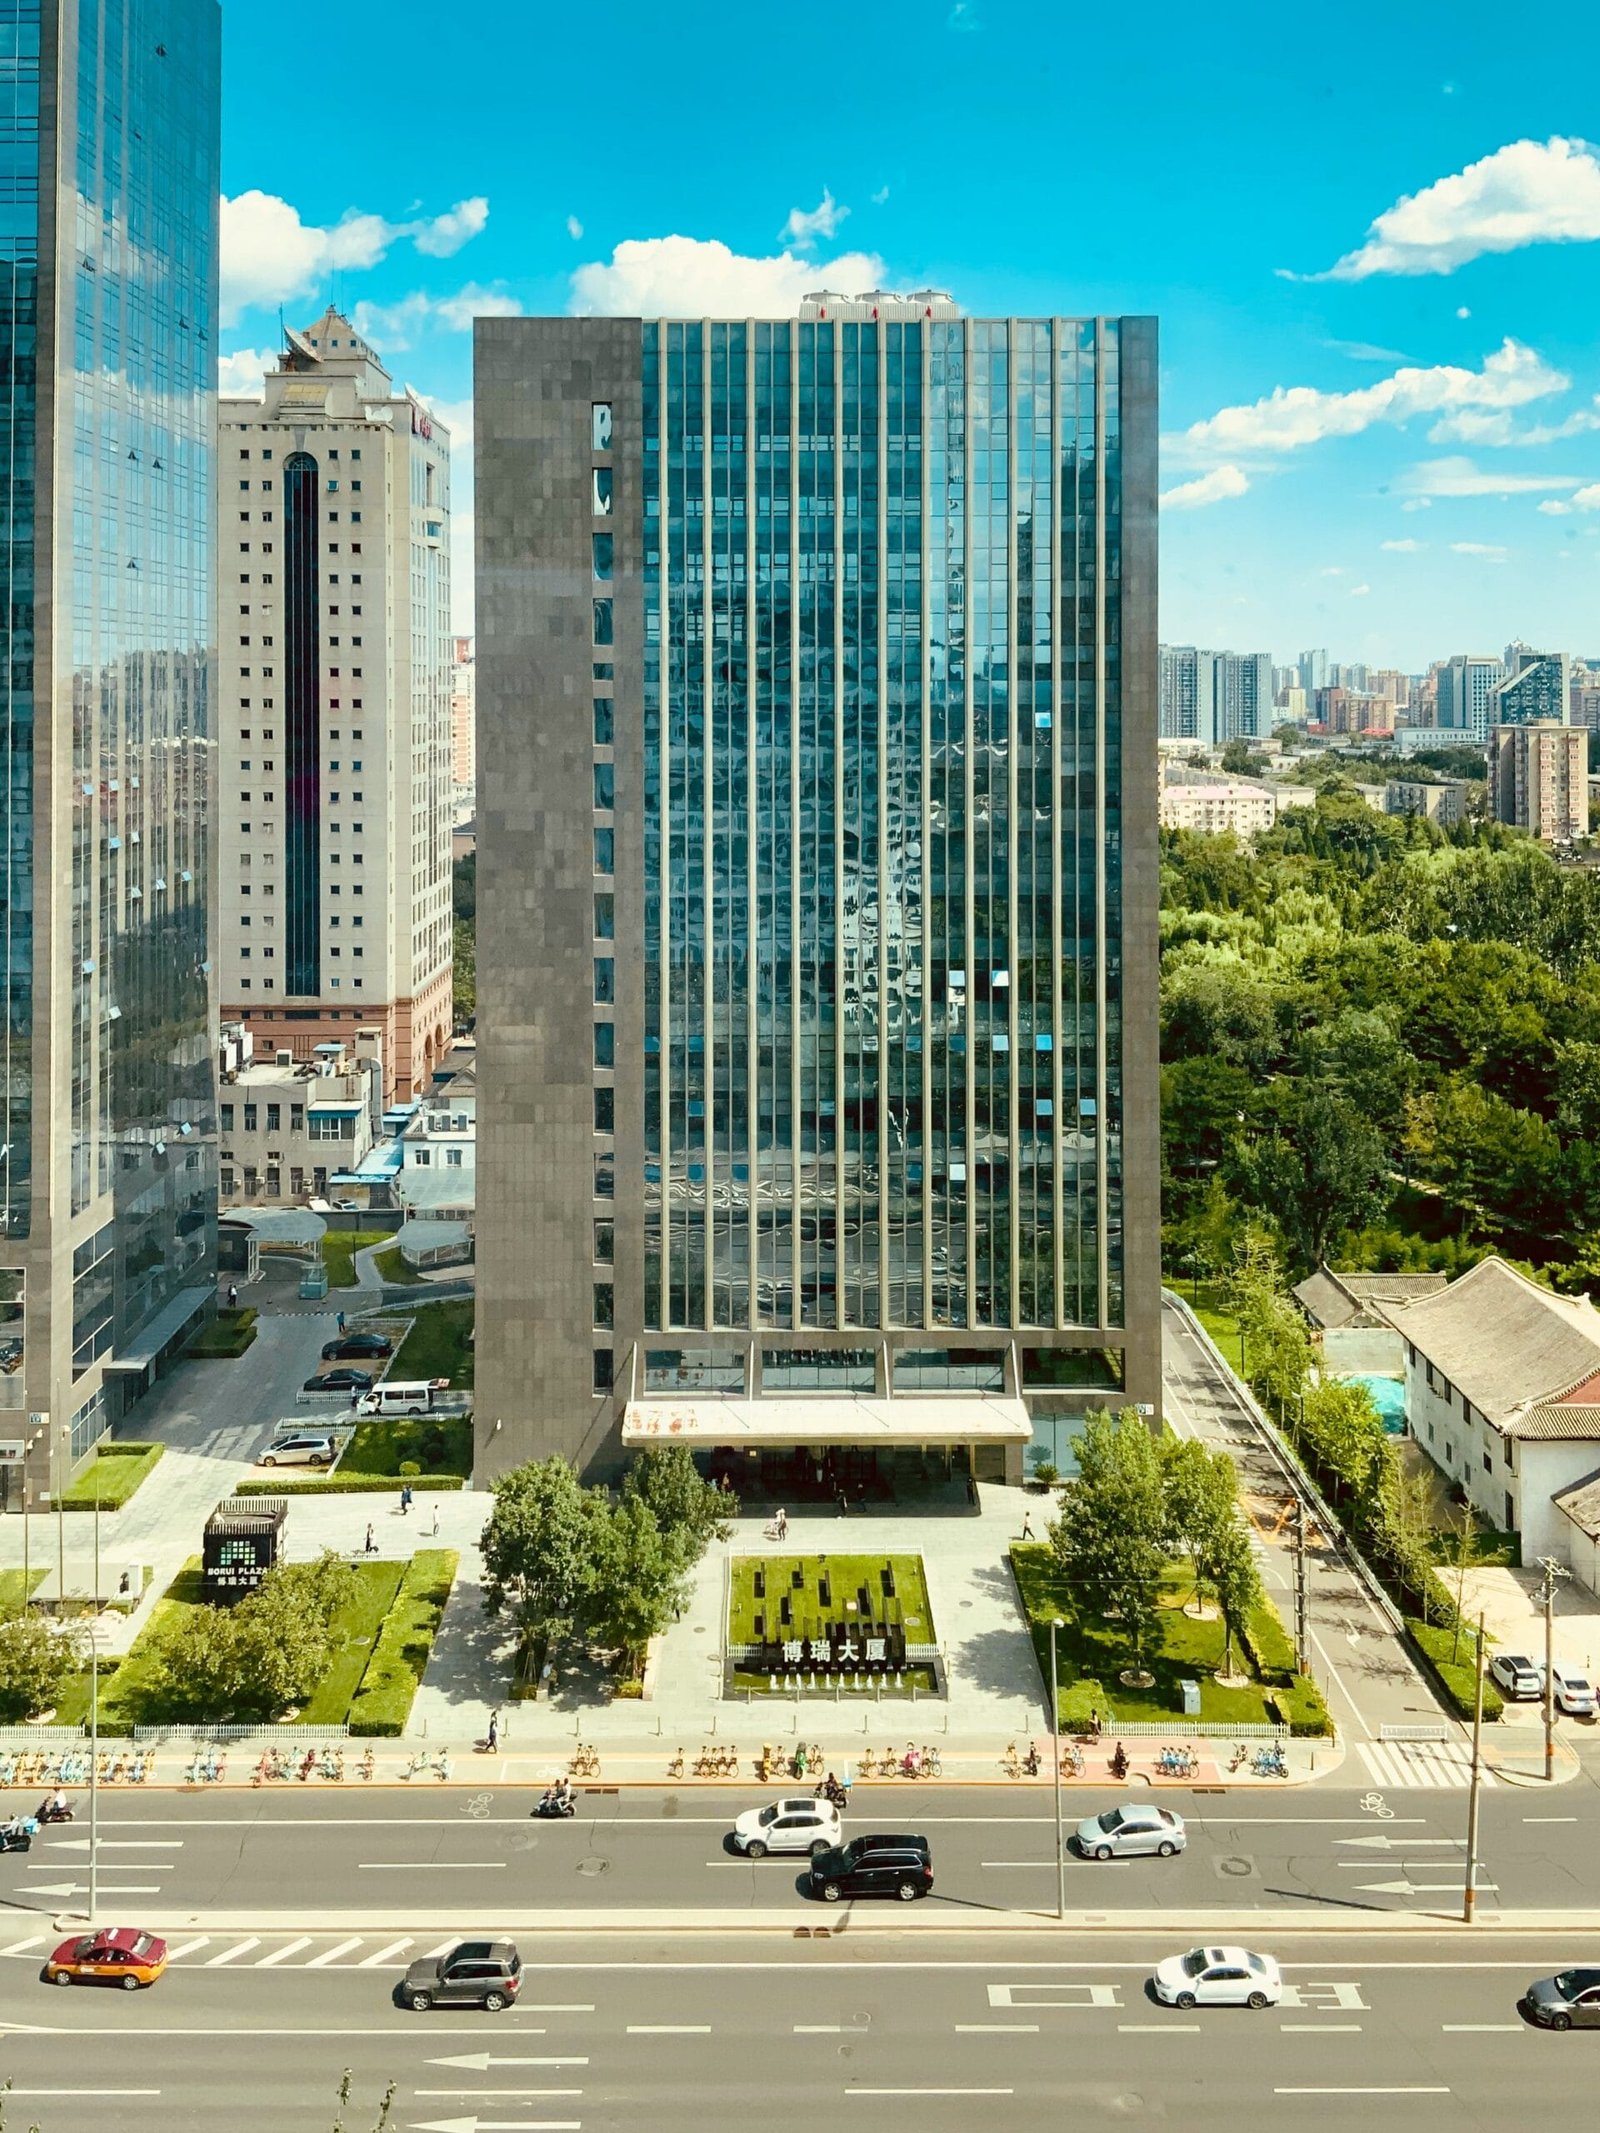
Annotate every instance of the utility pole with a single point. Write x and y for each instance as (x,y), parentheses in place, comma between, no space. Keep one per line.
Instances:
(1301,1639)
(1055,1764)
(1470,1893)
(1547,1593)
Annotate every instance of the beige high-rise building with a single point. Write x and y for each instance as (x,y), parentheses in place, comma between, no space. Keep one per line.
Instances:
(1539,779)
(464,727)
(334,709)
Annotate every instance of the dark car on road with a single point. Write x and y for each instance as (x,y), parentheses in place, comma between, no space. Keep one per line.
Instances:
(874,1866)
(340,1381)
(1569,2000)
(474,1973)
(350,1347)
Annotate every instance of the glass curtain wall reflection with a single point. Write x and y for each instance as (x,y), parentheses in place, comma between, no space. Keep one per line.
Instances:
(881,824)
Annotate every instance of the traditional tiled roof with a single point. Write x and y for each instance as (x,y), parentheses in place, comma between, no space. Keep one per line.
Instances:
(1581,1503)
(1510,1346)
(1333,1300)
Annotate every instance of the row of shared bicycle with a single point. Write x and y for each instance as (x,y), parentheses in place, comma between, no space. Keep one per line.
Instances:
(34,1766)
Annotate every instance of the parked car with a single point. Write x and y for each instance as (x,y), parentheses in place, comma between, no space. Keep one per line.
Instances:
(1517,1676)
(874,1866)
(1569,2000)
(299,1451)
(1132,1829)
(788,1826)
(1218,1977)
(111,1955)
(350,1346)
(474,1973)
(340,1381)
(1574,1692)
(10,1356)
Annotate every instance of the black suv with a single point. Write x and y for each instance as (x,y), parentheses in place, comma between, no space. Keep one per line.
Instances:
(474,1973)
(874,1866)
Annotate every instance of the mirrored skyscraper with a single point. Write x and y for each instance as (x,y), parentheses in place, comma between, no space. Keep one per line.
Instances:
(817,676)
(108,290)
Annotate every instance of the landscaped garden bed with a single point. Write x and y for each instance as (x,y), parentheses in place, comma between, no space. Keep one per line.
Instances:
(227,1335)
(111,1477)
(429,1452)
(813,1616)
(382,1704)
(439,1344)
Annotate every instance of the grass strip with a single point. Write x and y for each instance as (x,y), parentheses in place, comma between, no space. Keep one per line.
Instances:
(111,1477)
(382,1704)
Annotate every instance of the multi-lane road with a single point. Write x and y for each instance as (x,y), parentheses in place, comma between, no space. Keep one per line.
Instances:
(338,1857)
(902,2030)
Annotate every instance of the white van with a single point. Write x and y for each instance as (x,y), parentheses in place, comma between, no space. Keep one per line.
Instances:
(392,1398)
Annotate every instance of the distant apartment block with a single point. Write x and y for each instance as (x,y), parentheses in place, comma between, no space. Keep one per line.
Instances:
(1534,691)
(1215,697)
(1539,781)
(1466,682)
(464,728)
(334,710)
(1444,803)
(289,1130)
(1244,809)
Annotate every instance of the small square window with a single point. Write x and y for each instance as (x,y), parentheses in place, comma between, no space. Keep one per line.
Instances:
(602,493)
(604,1243)
(602,1370)
(605,851)
(605,981)
(605,787)
(604,1305)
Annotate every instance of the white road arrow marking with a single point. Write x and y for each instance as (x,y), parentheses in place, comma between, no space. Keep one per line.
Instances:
(1385,1843)
(480,2062)
(1421,1888)
(119,1844)
(81,1888)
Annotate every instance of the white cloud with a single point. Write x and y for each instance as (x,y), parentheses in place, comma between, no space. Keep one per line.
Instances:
(880,196)
(1334,570)
(1359,592)
(1462,311)
(240,374)
(1403,547)
(1584,499)
(270,256)
(805,226)
(1459,477)
(1496,427)
(394,327)
(444,236)
(1418,503)
(1295,415)
(1529,192)
(574,227)
(1486,549)
(693,277)
(963,16)
(1212,488)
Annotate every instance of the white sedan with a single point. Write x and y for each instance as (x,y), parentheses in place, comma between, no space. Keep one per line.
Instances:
(1218,1977)
(788,1826)
(1126,1831)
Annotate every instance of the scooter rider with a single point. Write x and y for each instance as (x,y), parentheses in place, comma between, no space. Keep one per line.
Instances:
(56,1808)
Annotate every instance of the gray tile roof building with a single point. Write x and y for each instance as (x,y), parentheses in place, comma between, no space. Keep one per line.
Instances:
(1333,1301)
(1512,1348)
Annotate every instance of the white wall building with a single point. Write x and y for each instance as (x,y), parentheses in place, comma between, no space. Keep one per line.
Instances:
(334,721)
(1229,805)
(1503,1394)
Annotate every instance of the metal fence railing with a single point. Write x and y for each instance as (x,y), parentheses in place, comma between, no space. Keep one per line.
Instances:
(209,1736)
(14,1739)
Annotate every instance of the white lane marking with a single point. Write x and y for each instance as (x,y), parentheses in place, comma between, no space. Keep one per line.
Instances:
(1158,2029)
(480,2062)
(21,1947)
(1319,2029)
(1549,1818)
(120,1844)
(930,2092)
(984,2029)
(1419,1765)
(431,1866)
(282,1955)
(332,1955)
(243,1947)
(556,2007)
(669,2029)
(990,1864)
(376,1962)
(1391,2089)
(1473,2029)
(187,1947)
(10,2091)
(530,2093)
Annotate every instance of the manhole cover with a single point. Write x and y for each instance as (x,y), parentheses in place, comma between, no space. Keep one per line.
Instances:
(699,1629)
(1235,1869)
(594,1866)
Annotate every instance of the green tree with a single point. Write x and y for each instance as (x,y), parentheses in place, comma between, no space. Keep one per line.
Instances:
(690,1512)
(1111,1536)
(536,1547)
(637,1579)
(1325,1175)
(36,1663)
(1202,1504)
(1235,1580)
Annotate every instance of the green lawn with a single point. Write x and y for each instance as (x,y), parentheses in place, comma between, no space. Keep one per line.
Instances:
(843,1577)
(438,1345)
(225,1336)
(395,1268)
(110,1477)
(339,1248)
(13,1596)
(383,1702)
(355,1636)
(438,1444)
(1090,1654)
(125,1687)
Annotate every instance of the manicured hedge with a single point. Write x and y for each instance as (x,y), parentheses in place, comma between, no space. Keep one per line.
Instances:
(1267,1642)
(225,1336)
(1455,1678)
(347,1485)
(382,1704)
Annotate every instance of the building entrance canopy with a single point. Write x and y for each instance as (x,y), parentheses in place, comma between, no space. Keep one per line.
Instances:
(831,1418)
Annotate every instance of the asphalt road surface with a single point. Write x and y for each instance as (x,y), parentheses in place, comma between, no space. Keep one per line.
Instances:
(334,1855)
(914,2031)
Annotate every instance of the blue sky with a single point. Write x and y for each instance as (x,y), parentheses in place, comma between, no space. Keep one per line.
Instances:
(1393,459)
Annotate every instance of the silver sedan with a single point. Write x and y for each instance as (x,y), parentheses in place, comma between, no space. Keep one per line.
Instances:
(1122,1832)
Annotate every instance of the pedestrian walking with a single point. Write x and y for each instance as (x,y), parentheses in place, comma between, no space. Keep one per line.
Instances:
(433,1530)
(372,1541)
(494,1731)
(233,1295)
(1027,1526)
(355,1401)
(405,1500)
(340,1321)
(781,1523)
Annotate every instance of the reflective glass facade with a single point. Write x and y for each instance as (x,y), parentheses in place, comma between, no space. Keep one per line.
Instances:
(882,1058)
(107,426)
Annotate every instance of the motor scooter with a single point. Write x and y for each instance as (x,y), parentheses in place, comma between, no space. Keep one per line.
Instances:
(18,1834)
(54,1811)
(556,1807)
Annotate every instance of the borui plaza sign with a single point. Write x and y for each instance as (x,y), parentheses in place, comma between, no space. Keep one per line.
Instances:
(845,1648)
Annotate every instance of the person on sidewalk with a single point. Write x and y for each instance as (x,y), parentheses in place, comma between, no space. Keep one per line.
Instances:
(1027,1526)
(405,1500)
(233,1295)
(372,1541)
(494,1731)
(781,1523)
(339,1322)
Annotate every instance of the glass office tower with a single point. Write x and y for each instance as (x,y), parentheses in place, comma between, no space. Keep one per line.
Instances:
(109,119)
(817,676)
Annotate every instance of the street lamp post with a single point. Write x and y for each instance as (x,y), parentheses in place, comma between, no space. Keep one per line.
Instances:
(1055,1762)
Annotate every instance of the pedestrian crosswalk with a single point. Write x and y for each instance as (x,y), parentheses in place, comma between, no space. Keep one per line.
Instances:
(1419,1765)
(275,1951)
